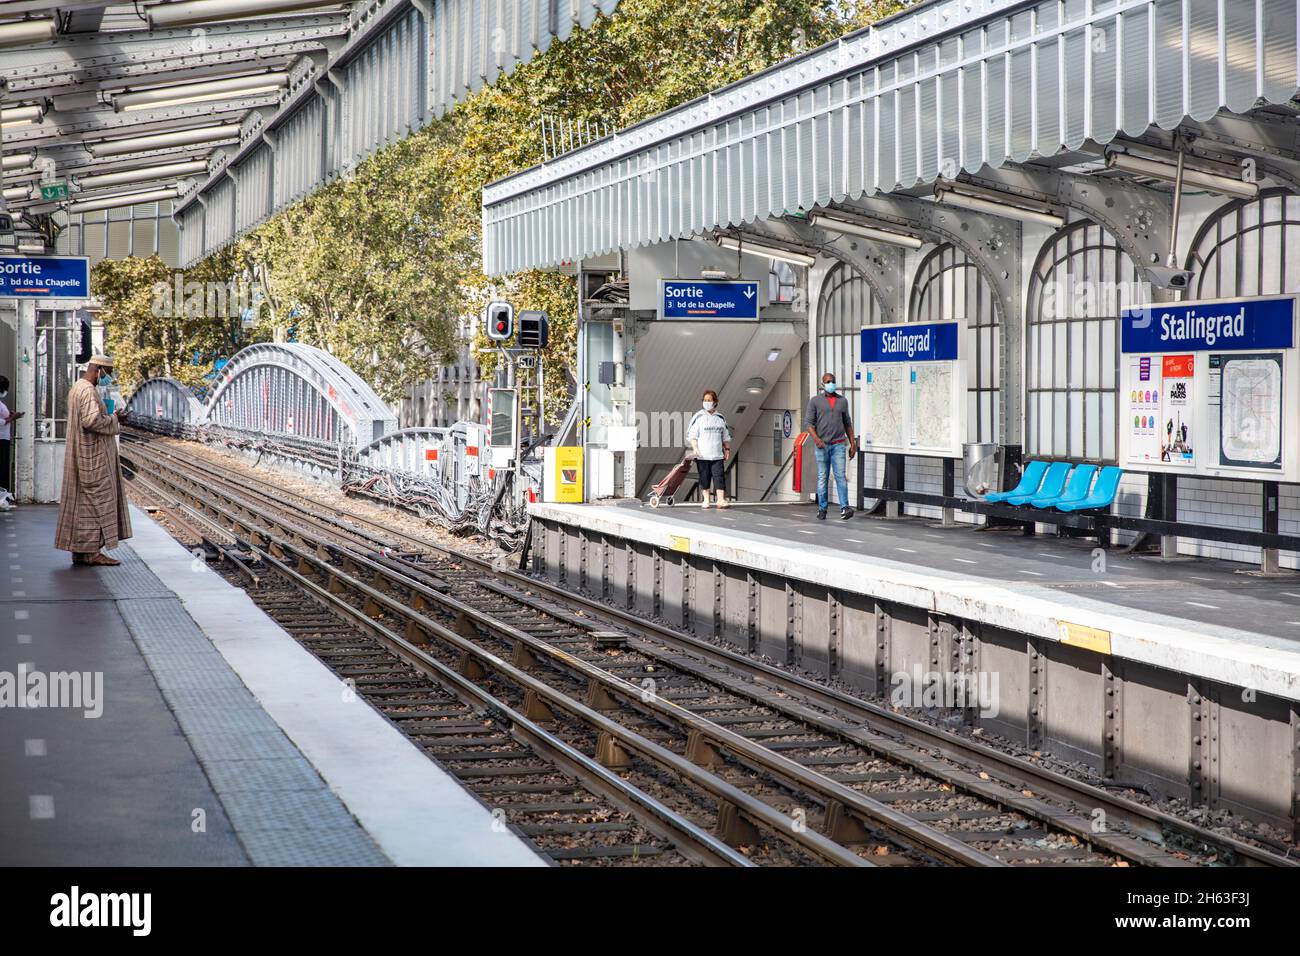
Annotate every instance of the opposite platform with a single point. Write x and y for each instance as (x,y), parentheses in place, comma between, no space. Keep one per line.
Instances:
(218,739)
(1200,617)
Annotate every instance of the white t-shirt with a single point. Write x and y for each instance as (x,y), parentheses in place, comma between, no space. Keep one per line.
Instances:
(4,421)
(711,432)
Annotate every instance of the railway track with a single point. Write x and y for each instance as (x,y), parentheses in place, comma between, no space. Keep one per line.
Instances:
(772,768)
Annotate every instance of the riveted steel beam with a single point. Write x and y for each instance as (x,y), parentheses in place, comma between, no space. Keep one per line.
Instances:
(1139,218)
(993,245)
(104,60)
(879,264)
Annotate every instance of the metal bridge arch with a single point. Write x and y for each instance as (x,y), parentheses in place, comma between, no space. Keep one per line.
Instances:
(164,404)
(298,391)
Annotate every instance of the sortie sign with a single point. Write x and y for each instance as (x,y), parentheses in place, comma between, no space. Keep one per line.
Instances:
(701,299)
(44,277)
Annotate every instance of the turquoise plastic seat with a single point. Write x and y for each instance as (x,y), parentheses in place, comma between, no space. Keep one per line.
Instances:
(1103,493)
(1052,486)
(1029,482)
(1076,489)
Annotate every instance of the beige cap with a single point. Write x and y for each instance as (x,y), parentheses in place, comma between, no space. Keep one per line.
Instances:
(101,360)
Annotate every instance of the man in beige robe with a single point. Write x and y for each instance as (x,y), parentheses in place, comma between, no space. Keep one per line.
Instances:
(92,509)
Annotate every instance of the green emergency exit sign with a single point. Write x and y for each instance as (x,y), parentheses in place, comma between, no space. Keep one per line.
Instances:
(51,192)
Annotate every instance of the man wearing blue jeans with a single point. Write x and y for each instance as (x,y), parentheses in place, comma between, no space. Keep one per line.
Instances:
(831,426)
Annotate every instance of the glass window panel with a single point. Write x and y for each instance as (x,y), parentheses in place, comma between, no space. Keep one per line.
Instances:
(1060,424)
(1076,355)
(1108,336)
(1092,355)
(1092,425)
(1271,240)
(1108,433)
(1249,255)
(1076,423)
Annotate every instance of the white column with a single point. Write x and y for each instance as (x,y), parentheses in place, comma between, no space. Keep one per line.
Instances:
(24,400)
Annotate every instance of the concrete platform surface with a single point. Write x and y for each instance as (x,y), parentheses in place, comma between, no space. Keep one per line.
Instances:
(152,723)
(1202,617)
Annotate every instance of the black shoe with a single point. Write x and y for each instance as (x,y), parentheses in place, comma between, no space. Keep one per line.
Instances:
(821,514)
(846,512)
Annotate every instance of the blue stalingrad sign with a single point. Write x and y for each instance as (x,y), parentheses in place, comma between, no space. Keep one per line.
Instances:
(44,277)
(1225,326)
(917,342)
(700,299)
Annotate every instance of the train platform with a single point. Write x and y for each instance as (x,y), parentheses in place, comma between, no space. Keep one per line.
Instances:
(155,716)
(1204,618)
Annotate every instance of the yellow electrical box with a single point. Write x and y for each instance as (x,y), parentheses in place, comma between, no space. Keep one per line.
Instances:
(563,475)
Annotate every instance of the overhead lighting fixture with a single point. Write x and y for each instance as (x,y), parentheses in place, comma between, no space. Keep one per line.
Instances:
(20,116)
(27,31)
(773,355)
(169,171)
(31,247)
(185,93)
(189,12)
(755,386)
(226,132)
(997,207)
(1140,166)
(17,160)
(767,252)
(836,224)
(127,199)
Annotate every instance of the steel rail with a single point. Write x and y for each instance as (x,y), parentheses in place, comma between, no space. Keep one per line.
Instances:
(686,836)
(754,810)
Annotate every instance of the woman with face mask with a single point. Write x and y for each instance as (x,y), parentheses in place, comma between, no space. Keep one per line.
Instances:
(711,441)
(7,419)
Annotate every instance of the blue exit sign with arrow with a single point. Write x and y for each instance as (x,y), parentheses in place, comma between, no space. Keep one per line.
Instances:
(709,299)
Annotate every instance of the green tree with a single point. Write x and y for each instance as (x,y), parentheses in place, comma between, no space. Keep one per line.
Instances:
(379,266)
(157,318)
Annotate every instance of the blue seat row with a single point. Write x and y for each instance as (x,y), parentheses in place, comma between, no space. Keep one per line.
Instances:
(1063,486)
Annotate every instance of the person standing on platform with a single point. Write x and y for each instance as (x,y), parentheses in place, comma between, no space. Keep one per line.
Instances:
(711,441)
(831,426)
(92,508)
(7,419)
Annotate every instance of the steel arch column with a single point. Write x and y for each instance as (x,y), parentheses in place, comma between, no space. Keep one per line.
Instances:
(299,391)
(164,404)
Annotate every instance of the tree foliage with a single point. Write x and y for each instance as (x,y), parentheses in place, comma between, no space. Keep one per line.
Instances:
(158,319)
(379,266)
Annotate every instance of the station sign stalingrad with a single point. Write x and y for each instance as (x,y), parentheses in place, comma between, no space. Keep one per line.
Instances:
(44,277)
(935,342)
(709,299)
(1226,325)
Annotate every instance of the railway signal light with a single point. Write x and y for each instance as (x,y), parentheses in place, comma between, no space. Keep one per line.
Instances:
(500,321)
(534,330)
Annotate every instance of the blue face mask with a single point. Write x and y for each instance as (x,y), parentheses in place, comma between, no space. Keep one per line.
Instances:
(105,379)
(829,387)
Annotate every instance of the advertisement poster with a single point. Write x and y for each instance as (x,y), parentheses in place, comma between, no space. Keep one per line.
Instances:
(1177,443)
(1144,408)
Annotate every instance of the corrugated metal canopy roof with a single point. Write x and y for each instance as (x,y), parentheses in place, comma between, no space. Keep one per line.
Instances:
(945,87)
(359,76)
(403,63)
